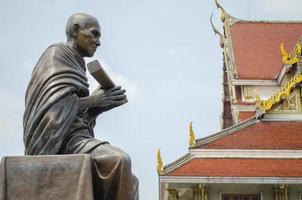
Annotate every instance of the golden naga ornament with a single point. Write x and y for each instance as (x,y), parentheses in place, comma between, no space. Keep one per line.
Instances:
(159,163)
(191,135)
(282,94)
(293,57)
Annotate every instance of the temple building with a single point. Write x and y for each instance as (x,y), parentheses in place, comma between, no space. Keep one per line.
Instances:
(257,155)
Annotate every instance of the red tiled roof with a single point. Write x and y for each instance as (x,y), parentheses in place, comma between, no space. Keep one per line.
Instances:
(257,47)
(245,115)
(240,168)
(261,135)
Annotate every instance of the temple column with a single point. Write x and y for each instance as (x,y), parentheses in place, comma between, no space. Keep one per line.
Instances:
(281,192)
(200,192)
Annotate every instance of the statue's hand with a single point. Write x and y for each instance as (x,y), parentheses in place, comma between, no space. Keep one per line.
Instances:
(102,101)
(109,99)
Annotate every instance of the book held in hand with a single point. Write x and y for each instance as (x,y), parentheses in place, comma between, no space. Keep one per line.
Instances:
(100,75)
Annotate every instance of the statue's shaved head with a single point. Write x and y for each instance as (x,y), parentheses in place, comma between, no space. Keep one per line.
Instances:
(81,20)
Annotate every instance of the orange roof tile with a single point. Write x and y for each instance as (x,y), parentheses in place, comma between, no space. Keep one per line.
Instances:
(240,168)
(257,47)
(261,135)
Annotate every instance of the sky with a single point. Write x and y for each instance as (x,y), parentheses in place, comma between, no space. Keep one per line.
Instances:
(163,52)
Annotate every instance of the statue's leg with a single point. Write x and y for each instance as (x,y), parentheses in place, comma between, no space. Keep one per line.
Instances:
(113,176)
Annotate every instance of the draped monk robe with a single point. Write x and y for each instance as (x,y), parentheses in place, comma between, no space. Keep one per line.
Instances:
(53,124)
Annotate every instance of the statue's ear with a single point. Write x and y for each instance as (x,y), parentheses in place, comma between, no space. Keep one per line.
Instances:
(75,30)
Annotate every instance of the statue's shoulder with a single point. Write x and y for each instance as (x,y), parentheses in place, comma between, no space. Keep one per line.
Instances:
(56,46)
(52,49)
(55,50)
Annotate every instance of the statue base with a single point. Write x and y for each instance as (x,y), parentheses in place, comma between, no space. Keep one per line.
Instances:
(64,177)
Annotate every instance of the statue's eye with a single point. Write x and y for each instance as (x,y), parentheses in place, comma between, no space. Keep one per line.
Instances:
(96,33)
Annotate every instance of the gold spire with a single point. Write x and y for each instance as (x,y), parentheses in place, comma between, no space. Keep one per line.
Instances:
(159,163)
(191,135)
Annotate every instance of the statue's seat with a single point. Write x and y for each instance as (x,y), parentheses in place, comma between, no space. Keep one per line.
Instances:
(52,177)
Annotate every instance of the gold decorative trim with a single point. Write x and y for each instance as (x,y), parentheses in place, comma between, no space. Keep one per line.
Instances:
(282,94)
(191,135)
(159,163)
(293,57)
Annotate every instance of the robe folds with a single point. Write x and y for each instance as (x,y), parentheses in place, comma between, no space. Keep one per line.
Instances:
(51,120)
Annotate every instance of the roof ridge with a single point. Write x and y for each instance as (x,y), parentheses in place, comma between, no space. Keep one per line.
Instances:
(178,161)
(243,124)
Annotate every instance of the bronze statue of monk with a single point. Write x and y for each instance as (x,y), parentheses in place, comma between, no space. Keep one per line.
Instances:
(60,113)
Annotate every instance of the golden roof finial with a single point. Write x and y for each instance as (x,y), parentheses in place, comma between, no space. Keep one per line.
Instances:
(159,163)
(191,135)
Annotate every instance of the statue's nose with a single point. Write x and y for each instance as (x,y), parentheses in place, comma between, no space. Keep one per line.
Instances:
(98,43)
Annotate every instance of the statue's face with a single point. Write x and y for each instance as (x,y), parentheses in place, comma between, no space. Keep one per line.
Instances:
(88,39)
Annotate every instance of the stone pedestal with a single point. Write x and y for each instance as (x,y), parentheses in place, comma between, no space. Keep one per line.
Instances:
(64,177)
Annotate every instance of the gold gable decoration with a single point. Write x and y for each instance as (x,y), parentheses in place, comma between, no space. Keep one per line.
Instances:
(191,135)
(282,94)
(159,163)
(294,56)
